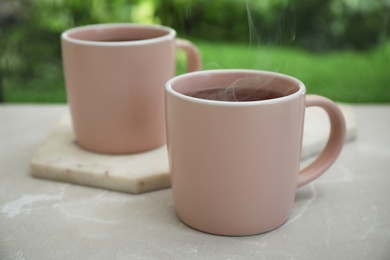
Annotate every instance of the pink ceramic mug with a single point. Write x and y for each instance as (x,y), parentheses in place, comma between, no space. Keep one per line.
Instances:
(115,76)
(235,165)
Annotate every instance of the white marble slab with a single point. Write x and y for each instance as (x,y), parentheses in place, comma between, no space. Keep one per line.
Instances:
(317,129)
(60,158)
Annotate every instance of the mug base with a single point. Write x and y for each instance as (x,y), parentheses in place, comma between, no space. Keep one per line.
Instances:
(227,233)
(116,151)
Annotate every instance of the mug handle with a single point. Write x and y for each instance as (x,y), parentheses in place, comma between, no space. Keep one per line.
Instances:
(335,142)
(194,62)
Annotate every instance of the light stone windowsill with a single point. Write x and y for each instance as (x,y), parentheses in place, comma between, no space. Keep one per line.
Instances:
(343,215)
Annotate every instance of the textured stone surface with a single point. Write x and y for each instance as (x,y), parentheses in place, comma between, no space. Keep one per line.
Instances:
(344,214)
(60,158)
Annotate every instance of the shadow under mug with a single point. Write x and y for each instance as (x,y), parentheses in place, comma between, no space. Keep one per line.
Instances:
(115,76)
(235,166)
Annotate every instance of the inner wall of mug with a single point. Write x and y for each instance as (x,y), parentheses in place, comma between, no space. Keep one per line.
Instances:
(117,33)
(197,81)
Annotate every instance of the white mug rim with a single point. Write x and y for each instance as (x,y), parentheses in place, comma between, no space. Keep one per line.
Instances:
(299,93)
(170,34)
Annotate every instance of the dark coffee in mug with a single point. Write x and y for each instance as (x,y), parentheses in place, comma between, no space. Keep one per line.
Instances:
(237,94)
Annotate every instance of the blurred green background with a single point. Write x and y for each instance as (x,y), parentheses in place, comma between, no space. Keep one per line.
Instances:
(338,48)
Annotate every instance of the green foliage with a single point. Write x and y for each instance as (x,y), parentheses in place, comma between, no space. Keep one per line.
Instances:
(319,25)
(30,36)
(30,51)
(349,76)
(355,77)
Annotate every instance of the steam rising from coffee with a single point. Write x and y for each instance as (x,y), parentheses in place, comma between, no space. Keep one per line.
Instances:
(283,31)
(254,88)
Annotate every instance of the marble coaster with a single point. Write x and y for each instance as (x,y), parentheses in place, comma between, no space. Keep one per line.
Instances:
(60,158)
(317,128)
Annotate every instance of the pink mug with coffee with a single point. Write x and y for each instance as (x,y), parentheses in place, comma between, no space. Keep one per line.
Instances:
(115,76)
(234,144)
